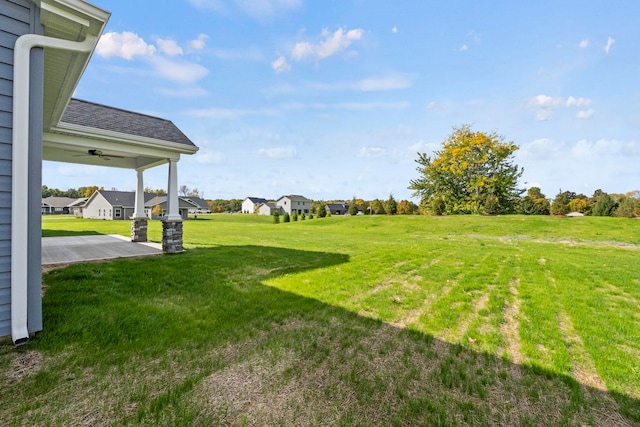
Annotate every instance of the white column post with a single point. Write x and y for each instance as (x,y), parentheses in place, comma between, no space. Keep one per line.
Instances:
(138,212)
(173,211)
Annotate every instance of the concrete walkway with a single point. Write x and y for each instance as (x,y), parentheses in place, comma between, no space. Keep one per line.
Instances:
(68,249)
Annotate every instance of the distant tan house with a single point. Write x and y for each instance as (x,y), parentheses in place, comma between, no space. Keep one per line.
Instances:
(62,205)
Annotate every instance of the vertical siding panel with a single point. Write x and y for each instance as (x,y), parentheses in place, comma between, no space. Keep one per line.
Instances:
(17,17)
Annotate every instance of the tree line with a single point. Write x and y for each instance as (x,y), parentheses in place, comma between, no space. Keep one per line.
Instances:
(474,173)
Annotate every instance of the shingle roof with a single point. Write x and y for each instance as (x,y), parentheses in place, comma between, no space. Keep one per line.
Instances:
(200,203)
(124,198)
(58,202)
(84,113)
(257,200)
(295,198)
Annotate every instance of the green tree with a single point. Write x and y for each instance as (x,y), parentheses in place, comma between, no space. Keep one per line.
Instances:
(286,218)
(276,217)
(605,206)
(406,207)
(560,204)
(353,209)
(534,203)
(321,210)
(472,173)
(377,208)
(294,216)
(391,206)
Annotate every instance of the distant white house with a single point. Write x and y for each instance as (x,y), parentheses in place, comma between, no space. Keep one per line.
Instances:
(269,208)
(250,204)
(294,203)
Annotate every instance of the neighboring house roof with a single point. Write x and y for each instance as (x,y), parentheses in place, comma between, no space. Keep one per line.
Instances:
(295,198)
(58,202)
(257,200)
(124,198)
(159,200)
(197,202)
(79,202)
(90,114)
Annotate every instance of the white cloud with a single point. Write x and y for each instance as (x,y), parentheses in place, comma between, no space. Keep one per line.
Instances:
(199,43)
(578,102)
(610,42)
(543,115)
(584,44)
(280,65)
(124,45)
(179,71)
(383,83)
(330,44)
(205,156)
(585,114)
(287,152)
(372,84)
(463,48)
(474,36)
(423,147)
(228,113)
(434,106)
(546,104)
(394,30)
(169,47)
(545,101)
(372,152)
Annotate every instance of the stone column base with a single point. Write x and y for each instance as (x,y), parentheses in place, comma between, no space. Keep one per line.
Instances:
(172,237)
(139,230)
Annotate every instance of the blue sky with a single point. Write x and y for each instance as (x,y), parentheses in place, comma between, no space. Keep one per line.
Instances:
(333,99)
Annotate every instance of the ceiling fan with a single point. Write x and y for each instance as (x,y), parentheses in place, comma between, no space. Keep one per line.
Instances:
(99,153)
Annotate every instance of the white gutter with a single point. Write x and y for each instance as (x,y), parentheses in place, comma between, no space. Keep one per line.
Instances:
(20,173)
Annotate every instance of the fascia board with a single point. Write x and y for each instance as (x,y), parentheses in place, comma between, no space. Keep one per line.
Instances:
(122,138)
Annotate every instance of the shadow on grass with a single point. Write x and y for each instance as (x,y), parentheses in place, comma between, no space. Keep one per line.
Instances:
(64,233)
(201,339)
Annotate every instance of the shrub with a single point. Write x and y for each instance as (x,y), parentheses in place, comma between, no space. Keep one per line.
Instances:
(286,218)
(303,217)
(294,216)
(310,215)
(321,211)
(605,206)
(328,214)
(276,217)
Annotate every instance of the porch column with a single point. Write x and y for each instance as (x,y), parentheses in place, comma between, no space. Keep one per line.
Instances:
(173,211)
(172,222)
(139,219)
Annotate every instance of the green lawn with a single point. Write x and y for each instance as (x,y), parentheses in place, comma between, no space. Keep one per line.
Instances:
(341,321)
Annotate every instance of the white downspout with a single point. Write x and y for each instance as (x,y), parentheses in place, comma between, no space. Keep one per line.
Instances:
(20,172)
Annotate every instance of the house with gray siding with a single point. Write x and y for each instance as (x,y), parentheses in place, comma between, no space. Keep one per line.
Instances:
(299,204)
(120,205)
(45,46)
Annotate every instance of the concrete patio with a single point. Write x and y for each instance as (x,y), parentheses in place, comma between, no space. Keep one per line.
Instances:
(70,249)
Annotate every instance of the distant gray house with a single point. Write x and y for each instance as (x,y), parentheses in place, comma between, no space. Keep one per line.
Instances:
(340,208)
(291,203)
(120,205)
(45,46)
(53,205)
(199,205)
(269,208)
(250,204)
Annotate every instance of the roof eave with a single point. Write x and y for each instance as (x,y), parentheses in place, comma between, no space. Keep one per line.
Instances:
(68,20)
(123,138)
